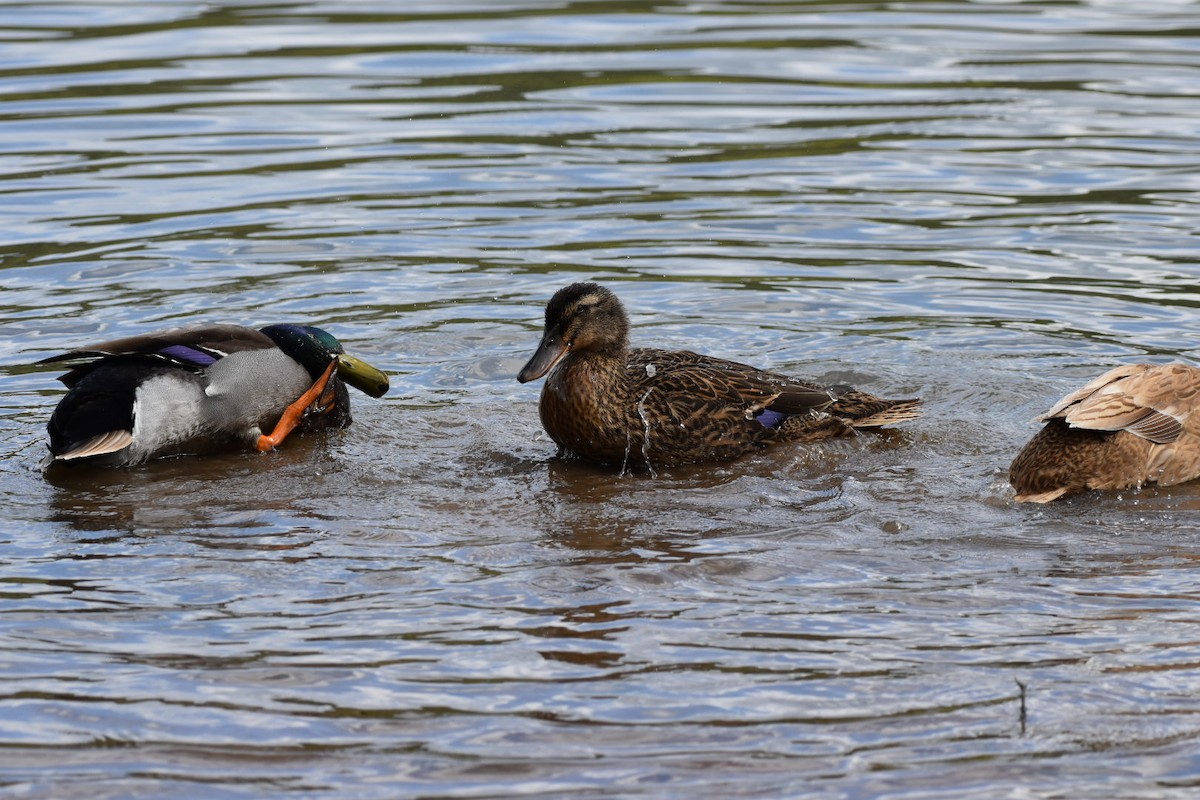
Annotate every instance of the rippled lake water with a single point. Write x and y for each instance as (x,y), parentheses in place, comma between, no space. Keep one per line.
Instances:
(982,203)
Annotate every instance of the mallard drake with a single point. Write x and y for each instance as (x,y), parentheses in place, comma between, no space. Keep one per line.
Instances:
(195,388)
(610,404)
(1130,426)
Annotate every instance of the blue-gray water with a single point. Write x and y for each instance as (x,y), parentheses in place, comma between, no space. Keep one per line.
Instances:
(983,203)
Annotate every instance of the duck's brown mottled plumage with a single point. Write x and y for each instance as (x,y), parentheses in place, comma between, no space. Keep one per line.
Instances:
(610,404)
(1132,425)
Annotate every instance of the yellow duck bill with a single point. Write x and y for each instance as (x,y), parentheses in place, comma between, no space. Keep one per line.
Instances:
(361,375)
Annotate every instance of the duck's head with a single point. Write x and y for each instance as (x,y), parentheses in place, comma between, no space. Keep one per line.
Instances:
(313,349)
(580,318)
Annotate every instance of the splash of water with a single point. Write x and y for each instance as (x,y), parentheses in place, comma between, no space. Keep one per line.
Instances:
(641,407)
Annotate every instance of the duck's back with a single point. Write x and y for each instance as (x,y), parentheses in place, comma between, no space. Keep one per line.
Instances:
(1132,425)
(663,408)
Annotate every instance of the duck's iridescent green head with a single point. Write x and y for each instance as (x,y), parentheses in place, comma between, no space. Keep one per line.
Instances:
(313,349)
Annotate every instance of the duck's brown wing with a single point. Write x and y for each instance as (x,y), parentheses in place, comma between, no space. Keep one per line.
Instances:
(718,381)
(214,340)
(1153,401)
(189,348)
(695,408)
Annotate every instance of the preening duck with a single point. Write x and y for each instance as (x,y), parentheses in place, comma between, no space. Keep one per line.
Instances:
(1130,426)
(193,389)
(606,403)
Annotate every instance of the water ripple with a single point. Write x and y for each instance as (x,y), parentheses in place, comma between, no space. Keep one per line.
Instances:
(982,203)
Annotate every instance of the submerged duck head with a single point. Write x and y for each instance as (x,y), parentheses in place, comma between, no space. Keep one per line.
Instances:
(313,348)
(580,318)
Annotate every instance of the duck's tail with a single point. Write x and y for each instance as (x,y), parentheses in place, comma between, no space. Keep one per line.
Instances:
(862,410)
(1042,497)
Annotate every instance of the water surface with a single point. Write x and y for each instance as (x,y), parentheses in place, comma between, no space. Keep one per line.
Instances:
(981,203)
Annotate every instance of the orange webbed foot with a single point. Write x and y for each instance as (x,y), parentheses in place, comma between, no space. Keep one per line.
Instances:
(293,414)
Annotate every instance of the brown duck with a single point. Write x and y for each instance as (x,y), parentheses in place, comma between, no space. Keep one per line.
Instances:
(610,404)
(1130,426)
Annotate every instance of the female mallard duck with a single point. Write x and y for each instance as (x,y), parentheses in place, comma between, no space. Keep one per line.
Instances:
(189,389)
(606,403)
(1130,426)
